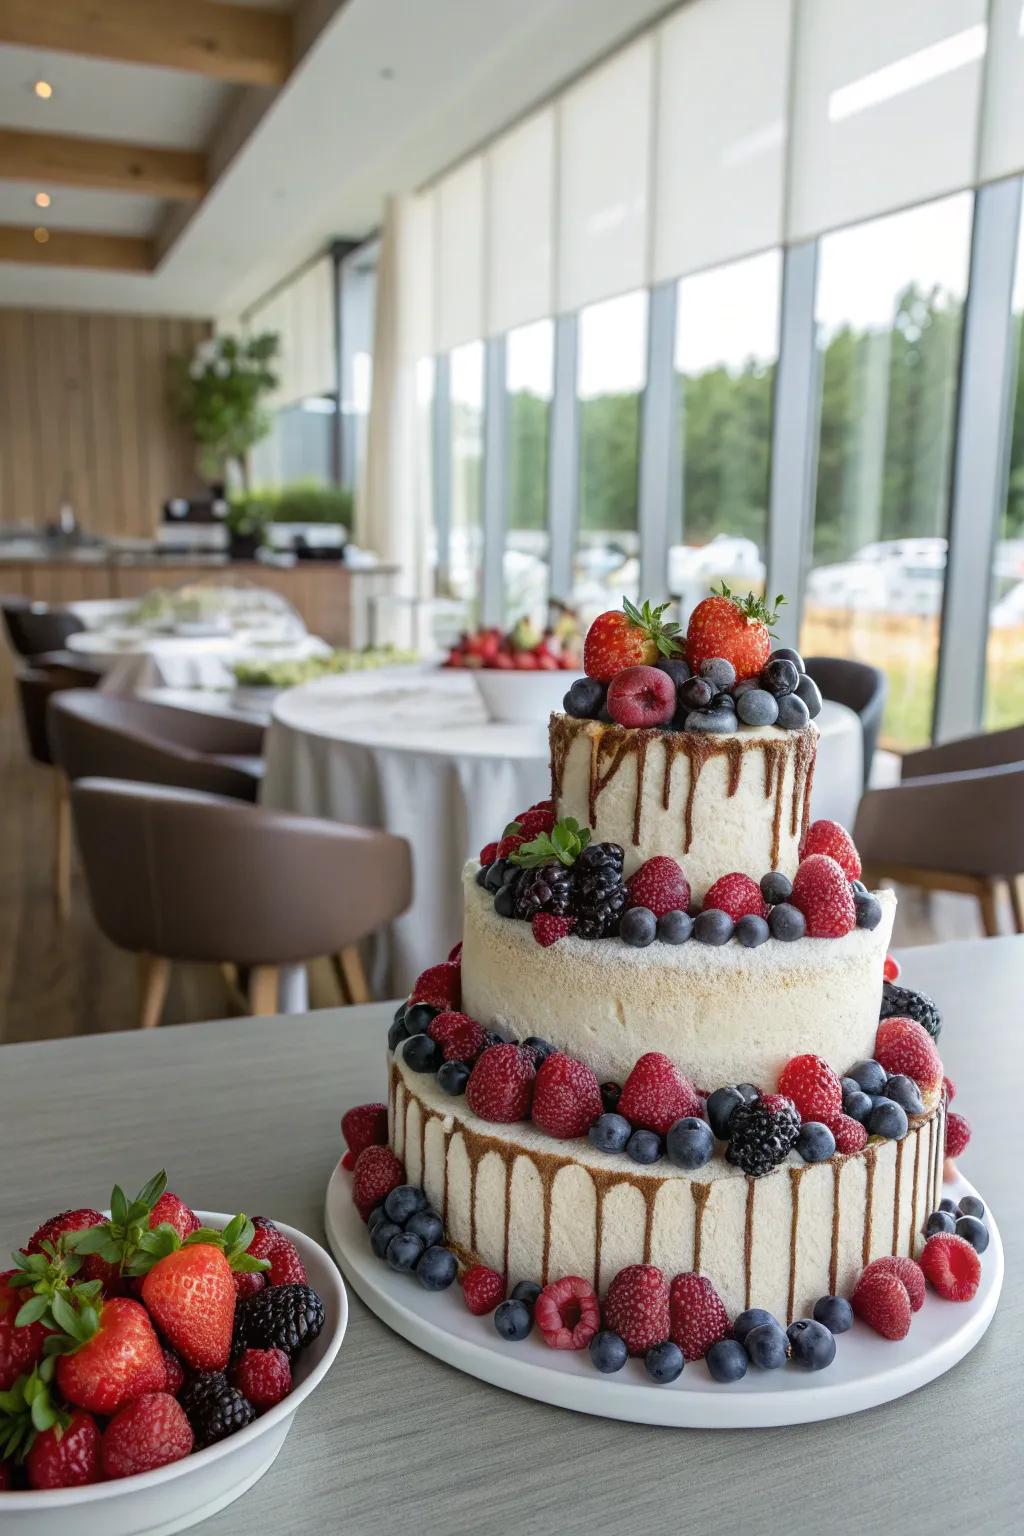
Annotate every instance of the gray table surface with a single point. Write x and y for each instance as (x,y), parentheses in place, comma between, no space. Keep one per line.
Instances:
(244,1115)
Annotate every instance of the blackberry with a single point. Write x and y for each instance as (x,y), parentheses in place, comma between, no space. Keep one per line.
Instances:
(214,1408)
(547,888)
(761,1135)
(902,1003)
(599,892)
(284,1317)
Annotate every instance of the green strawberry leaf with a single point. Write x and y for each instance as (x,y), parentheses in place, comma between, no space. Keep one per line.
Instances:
(565,842)
(151,1191)
(754,608)
(35,1308)
(118,1206)
(89,1239)
(65,1316)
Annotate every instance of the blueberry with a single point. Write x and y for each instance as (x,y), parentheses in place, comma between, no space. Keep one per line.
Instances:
(540,1049)
(526,1291)
(766,1345)
(511,874)
(858,888)
(744,686)
(835,1312)
(724,701)
(712,926)
(697,693)
(426,1225)
(638,926)
(644,1146)
(376,1216)
(664,1362)
(481,874)
(419,1017)
(421,1053)
(690,1143)
(779,676)
(974,1231)
(381,1236)
(452,1078)
(849,1085)
(675,668)
(810,1344)
(940,1221)
(397,1033)
(748,1092)
(815,1143)
(403,1202)
(719,672)
(608,1352)
(786,653)
(868,1075)
(752,930)
(611,1093)
(403,1251)
(437,1269)
(889,1120)
(808,690)
(585,698)
(793,713)
(721,1106)
(776,887)
(970,1205)
(947,1204)
(905,1092)
(726,1361)
(513,1320)
(787,922)
(609,1133)
(868,909)
(757,707)
(675,927)
(496,875)
(719,721)
(505,902)
(753,1317)
(858,1105)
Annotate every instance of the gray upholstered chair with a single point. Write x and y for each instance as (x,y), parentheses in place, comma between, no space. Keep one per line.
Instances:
(861,688)
(35,627)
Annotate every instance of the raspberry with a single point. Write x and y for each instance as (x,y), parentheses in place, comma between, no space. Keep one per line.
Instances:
(376,1174)
(904,1046)
(483,1288)
(822,893)
(958,1134)
(659,885)
(548,927)
(850,1135)
(286,1266)
(264,1376)
(567,1313)
(460,1037)
(173,1210)
(439,985)
(488,853)
(636,1307)
(891,969)
(532,823)
(455,954)
(566,1097)
(736,894)
(813,1088)
(655,1095)
(880,1299)
(175,1369)
(697,1315)
(952,1266)
(510,843)
(366,1125)
(829,837)
(150,1431)
(949,1088)
(500,1087)
(248,1284)
(906,1270)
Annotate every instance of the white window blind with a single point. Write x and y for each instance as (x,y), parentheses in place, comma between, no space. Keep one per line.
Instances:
(520,213)
(460,248)
(1002,128)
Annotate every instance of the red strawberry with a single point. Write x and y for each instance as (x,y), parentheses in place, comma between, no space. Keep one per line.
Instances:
(697,1315)
(958,1134)
(348,1161)
(736,894)
(737,628)
(850,1135)
(814,1088)
(566,1097)
(377,1172)
(460,1037)
(549,928)
(904,1046)
(634,637)
(952,1266)
(175,1213)
(117,1362)
(365,1125)
(949,1088)
(6,1477)
(880,1299)
(829,837)
(151,1431)
(500,1087)
(439,985)
(455,954)
(67,1221)
(264,1376)
(20,1348)
(637,1307)
(567,1313)
(488,853)
(67,1457)
(822,893)
(510,843)
(660,885)
(906,1270)
(175,1369)
(891,968)
(191,1297)
(532,823)
(656,1094)
(482,1288)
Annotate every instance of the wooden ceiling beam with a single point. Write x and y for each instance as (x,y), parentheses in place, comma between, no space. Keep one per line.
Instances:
(76,248)
(228,42)
(53,159)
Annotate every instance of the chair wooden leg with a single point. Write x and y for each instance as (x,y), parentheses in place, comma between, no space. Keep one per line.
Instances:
(61,844)
(989,911)
(263,982)
(156,973)
(353,977)
(1017,901)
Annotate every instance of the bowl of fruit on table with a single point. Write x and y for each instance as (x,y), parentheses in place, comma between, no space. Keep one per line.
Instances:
(521,674)
(152,1360)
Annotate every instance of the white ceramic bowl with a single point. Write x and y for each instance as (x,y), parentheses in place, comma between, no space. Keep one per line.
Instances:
(523,696)
(176,1497)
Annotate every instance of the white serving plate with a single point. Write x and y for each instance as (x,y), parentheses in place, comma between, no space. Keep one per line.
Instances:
(521,696)
(178,1496)
(867,1369)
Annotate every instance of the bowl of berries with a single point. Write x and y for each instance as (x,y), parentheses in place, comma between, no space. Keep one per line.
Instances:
(521,675)
(152,1360)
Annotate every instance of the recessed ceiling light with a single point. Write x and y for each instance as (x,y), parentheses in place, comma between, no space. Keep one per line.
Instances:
(387,73)
(43,89)
(40,235)
(42,199)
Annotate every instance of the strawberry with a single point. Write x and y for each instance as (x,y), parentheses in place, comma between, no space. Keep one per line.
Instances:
(21,1346)
(736,894)
(151,1431)
(697,1315)
(906,1270)
(109,1248)
(67,1455)
(829,837)
(949,1089)
(566,1097)
(902,1046)
(482,1289)
(510,844)
(439,985)
(488,853)
(630,637)
(175,1369)
(6,1477)
(850,1135)
(67,1221)
(114,1353)
(951,1266)
(455,954)
(460,1037)
(822,893)
(813,1087)
(958,1134)
(880,1299)
(500,1087)
(736,628)
(264,1376)
(656,1094)
(637,1307)
(190,1294)
(377,1172)
(365,1125)
(659,885)
(548,928)
(891,968)
(176,1213)
(567,1313)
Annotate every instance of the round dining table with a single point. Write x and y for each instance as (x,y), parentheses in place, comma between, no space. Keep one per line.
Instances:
(137,659)
(411,750)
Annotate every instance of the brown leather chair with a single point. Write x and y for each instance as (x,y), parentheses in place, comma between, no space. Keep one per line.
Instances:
(36,627)
(861,688)
(955,822)
(177,875)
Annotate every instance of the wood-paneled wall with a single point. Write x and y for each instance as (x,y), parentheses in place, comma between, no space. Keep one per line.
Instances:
(84,414)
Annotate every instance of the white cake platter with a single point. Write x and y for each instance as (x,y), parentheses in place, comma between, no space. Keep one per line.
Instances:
(867,1369)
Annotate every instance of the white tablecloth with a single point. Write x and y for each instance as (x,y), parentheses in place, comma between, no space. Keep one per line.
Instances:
(412,752)
(134,661)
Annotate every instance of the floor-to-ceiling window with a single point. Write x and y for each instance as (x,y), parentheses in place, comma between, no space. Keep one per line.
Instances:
(465,536)
(529,369)
(1004,693)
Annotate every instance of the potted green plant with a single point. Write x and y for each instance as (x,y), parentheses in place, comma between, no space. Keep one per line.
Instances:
(249,516)
(220,391)
(311,518)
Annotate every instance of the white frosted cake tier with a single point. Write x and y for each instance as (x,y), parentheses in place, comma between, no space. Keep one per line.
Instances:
(714,802)
(535,1209)
(723,1014)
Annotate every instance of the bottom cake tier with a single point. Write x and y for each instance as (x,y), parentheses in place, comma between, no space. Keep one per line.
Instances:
(534,1208)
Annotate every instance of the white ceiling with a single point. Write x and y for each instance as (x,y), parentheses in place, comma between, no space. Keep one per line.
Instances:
(79,208)
(389,94)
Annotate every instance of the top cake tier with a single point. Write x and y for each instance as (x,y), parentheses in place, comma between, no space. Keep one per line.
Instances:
(715,802)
